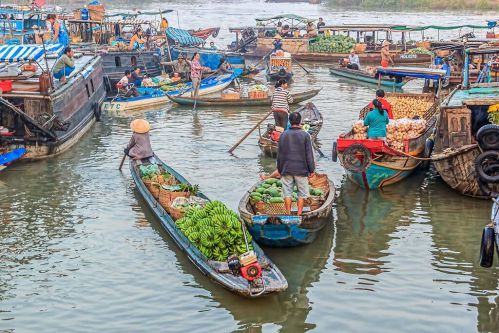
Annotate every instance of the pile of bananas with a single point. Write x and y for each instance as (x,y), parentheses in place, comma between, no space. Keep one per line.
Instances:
(409,107)
(215,230)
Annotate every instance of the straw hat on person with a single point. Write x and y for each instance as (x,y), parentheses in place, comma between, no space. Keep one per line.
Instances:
(277,36)
(386,43)
(140,126)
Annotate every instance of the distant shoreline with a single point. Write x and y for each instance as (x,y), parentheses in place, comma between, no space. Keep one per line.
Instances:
(476,6)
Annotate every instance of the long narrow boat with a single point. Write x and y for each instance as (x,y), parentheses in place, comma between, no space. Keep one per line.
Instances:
(11,156)
(215,101)
(310,115)
(281,230)
(48,123)
(219,272)
(363,76)
(151,96)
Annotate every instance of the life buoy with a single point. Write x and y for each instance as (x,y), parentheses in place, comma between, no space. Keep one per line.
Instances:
(96,110)
(488,137)
(334,156)
(487,247)
(356,158)
(487,166)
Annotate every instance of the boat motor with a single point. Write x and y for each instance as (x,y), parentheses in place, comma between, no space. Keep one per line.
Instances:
(250,268)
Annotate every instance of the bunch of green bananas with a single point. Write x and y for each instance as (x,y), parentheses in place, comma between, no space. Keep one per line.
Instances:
(215,230)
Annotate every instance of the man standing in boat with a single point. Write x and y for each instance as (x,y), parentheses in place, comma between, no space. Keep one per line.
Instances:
(380,96)
(386,58)
(295,162)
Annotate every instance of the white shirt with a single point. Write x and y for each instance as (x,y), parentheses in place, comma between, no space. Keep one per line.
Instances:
(124,81)
(354,59)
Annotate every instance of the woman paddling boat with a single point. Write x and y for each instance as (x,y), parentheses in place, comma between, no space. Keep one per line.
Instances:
(140,143)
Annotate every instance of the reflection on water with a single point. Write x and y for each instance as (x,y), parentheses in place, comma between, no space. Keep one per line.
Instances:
(80,251)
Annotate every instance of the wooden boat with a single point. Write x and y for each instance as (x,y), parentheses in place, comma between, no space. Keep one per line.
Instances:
(49,123)
(279,66)
(211,58)
(215,101)
(10,157)
(310,115)
(151,96)
(363,76)
(205,33)
(219,272)
(280,230)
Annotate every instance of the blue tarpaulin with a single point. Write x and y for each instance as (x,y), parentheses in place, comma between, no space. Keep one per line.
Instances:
(183,37)
(421,73)
(33,52)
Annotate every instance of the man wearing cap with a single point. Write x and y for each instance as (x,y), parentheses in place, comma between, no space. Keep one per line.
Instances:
(140,144)
(386,58)
(182,67)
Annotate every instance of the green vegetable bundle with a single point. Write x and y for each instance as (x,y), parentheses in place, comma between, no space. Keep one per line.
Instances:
(215,230)
(419,50)
(149,171)
(270,191)
(332,44)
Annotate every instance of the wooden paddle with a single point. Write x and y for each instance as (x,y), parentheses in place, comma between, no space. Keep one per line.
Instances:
(317,149)
(300,65)
(250,131)
(124,156)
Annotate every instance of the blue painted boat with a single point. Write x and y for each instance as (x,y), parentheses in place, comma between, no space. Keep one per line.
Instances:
(273,280)
(210,58)
(12,156)
(280,230)
(362,76)
(17,23)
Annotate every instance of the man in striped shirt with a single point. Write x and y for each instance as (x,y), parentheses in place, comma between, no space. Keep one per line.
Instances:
(280,103)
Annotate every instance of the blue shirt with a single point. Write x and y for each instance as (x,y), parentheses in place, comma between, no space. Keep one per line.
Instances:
(377,123)
(446,68)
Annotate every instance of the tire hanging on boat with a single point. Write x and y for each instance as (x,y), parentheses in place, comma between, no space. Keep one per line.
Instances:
(487,247)
(356,158)
(488,137)
(334,155)
(428,150)
(487,166)
(96,110)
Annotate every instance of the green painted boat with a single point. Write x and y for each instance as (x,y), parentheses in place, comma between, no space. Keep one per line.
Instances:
(362,76)
(217,101)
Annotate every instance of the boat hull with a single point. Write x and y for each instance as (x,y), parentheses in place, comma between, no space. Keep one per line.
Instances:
(364,77)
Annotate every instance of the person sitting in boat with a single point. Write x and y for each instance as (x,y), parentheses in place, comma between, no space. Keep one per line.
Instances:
(223,67)
(279,28)
(137,42)
(286,32)
(376,119)
(147,81)
(321,24)
(65,65)
(311,30)
(281,98)
(182,67)
(277,43)
(380,96)
(136,79)
(129,87)
(140,143)
(163,25)
(353,61)
(58,28)
(212,46)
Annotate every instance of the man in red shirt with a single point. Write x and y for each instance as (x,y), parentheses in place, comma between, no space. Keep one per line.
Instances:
(380,95)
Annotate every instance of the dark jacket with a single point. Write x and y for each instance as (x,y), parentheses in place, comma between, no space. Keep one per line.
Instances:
(295,156)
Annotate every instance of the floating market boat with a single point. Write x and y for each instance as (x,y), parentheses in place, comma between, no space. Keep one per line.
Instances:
(18,23)
(374,164)
(215,101)
(45,116)
(205,33)
(279,66)
(272,279)
(150,96)
(311,121)
(270,226)
(364,76)
(467,141)
(11,156)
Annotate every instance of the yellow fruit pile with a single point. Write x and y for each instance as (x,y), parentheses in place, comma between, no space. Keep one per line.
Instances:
(359,130)
(409,107)
(398,130)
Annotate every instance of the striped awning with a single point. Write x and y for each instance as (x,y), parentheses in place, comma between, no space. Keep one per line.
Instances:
(31,52)
(183,37)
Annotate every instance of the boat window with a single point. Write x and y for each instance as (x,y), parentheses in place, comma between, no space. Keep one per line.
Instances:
(92,83)
(117,61)
(133,59)
(88,91)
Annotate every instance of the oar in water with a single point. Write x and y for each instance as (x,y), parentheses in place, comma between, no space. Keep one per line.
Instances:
(261,60)
(317,149)
(249,132)
(124,156)
(300,65)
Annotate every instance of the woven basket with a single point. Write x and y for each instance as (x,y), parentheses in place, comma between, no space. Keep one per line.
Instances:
(166,197)
(315,202)
(277,208)
(153,187)
(319,181)
(259,207)
(175,213)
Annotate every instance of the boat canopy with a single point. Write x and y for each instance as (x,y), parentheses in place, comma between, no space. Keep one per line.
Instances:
(421,73)
(135,14)
(183,37)
(28,52)
(487,50)
(398,28)
(437,27)
(291,18)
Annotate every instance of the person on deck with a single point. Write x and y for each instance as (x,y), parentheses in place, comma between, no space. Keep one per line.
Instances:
(281,98)
(59,32)
(223,67)
(137,42)
(182,67)
(136,79)
(277,43)
(386,58)
(65,65)
(140,143)
(163,25)
(380,96)
(376,119)
(353,61)
(147,81)
(320,25)
(311,30)
(286,32)
(212,46)
(196,74)
(295,162)
(279,28)
(125,84)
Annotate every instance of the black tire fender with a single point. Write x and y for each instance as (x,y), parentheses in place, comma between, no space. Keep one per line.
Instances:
(334,155)
(215,33)
(96,110)
(488,137)
(487,166)
(487,247)
(356,158)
